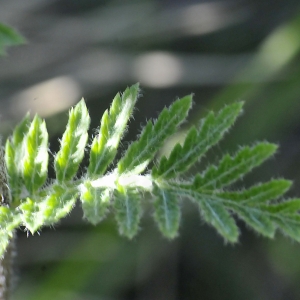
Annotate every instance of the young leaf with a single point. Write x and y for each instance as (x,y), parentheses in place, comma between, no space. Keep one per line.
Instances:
(57,205)
(73,143)
(104,146)
(259,206)
(197,142)
(9,221)
(95,202)
(167,212)
(48,210)
(31,218)
(21,131)
(139,153)
(14,154)
(127,207)
(35,161)
(232,168)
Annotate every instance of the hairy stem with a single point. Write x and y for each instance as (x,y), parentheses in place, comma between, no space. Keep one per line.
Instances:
(6,270)
(6,262)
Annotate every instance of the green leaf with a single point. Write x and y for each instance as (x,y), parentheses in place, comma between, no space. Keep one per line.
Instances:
(47,211)
(26,157)
(142,151)
(35,161)
(256,219)
(258,194)
(286,207)
(21,131)
(9,218)
(288,224)
(73,143)
(232,168)
(197,142)
(9,37)
(30,215)
(167,212)
(14,154)
(214,213)
(95,202)
(9,221)
(57,205)
(104,146)
(127,207)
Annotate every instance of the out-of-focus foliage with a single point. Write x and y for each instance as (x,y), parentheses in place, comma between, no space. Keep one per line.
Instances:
(9,37)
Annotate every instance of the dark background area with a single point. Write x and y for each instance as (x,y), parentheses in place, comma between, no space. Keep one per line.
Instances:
(221,51)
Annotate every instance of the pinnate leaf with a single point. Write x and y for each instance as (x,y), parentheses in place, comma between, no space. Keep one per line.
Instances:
(260,206)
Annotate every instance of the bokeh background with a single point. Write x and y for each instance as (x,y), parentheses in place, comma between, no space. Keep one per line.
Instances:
(222,51)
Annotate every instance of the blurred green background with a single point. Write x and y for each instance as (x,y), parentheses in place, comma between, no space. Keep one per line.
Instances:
(222,51)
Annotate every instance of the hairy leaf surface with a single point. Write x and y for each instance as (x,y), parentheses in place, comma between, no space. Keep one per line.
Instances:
(198,142)
(142,151)
(38,201)
(105,144)
(95,202)
(166,212)
(73,143)
(127,207)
